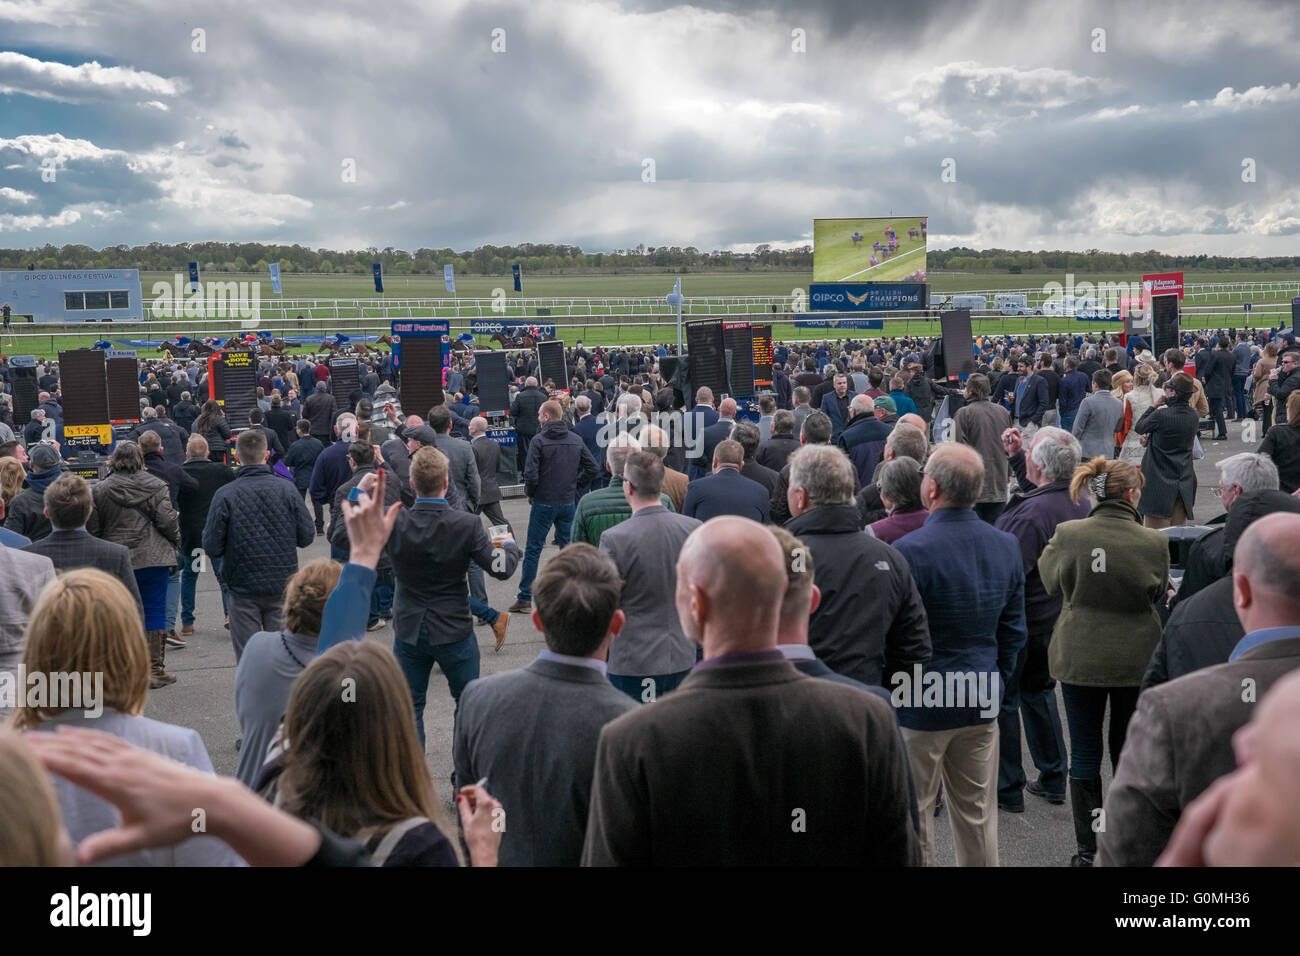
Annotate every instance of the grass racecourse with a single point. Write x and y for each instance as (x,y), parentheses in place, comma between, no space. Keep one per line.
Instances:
(837,257)
(361,312)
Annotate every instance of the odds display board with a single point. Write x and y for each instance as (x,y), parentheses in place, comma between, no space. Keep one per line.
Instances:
(86,422)
(27,389)
(1164,322)
(122,371)
(762,342)
(493,382)
(958,343)
(422,354)
(232,381)
(707,354)
(738,339)
(345,378)
(880,250)
(551,364)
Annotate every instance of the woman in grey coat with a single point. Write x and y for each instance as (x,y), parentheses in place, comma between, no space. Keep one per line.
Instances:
(134,509)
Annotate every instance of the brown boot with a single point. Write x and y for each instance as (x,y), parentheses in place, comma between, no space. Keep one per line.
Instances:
(157,676)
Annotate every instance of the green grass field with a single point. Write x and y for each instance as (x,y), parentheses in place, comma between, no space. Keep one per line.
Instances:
(837,258)
(652,321)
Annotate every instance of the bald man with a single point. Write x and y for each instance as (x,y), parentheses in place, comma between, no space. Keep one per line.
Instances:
(971,578)
(1180,740)
(736,726)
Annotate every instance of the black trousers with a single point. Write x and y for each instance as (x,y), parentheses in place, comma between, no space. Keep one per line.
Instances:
(494,515)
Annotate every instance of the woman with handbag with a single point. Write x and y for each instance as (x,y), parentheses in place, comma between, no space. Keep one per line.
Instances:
(134,509)
(1260,399)
(1111,572)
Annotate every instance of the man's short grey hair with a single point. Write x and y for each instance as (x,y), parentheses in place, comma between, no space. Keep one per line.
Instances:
(704,395)
(783,423)
(825,473)
(908,441)
(478,425)
(628,405)
(900,481)
(582,403)
(654,440)
(530,382)
(1056,452)
(185,396)
(1250,470)
(862,404)
(959,472)
(620,447)
(148,413)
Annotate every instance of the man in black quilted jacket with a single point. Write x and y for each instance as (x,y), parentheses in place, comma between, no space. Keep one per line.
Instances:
(255,525)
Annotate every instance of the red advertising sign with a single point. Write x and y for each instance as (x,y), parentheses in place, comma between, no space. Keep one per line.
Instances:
(1162,283)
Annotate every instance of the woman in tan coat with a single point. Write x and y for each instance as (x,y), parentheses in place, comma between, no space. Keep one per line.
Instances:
(1260,399)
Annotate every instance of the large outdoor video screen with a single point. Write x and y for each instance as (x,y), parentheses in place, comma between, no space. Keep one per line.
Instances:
(869,250)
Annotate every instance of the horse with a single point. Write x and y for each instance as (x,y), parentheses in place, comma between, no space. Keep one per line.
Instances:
(458,347)
(521,340)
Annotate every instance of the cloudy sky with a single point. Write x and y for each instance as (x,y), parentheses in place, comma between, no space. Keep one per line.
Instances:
(1120,126)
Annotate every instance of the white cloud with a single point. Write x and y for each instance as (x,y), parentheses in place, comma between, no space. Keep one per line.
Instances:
(154,105)
(47,79)
(15,195)
(13,223)
(1257,97)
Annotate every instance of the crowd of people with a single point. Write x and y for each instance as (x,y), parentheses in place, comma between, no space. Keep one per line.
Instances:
(843,607)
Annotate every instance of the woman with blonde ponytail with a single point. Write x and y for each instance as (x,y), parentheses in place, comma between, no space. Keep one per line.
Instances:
(1110,572)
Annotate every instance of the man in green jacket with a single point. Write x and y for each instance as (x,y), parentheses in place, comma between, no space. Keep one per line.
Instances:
(605,507)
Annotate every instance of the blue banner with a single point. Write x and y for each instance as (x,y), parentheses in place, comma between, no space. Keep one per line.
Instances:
(194,277)
(1099,316)
(805,322)
(449,279)
(866,296)
(519,285)
(378,270)
(275,277)
(488,326)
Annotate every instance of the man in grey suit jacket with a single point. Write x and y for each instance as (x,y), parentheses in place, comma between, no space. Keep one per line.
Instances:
(1179,741)
(1098,419)
(653,655)
(487,457)
(532,732)
(461,466)
(727,770)
(68,503)
(24,576)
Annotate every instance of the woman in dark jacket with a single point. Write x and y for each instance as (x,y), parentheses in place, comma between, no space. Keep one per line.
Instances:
(1282,444)
(1168,428)
(212,425)
(134,509)
(1110,572)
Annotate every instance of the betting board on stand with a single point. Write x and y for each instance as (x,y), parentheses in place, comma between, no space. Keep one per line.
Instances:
(551,364)
(122,373)
(422,354)
(707,359)
(232,382)
(27,389)
(87,427)
(345,378)
(738,339)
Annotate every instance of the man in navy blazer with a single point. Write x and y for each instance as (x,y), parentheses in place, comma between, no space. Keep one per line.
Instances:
(587,427)
(716,433)
(727,491)
(695,422)
(835,404)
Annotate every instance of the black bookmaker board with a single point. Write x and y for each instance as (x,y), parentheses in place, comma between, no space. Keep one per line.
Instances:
(235,385)
(551,364)
(1164,323)
(345,378)
(122,372)
(27,389)
(738,339)
(762,335)
(958,343)
(421,387)
(493,383)
(87,402)
(707,356)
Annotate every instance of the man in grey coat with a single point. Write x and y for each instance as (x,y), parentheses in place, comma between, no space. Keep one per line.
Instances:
(654,654)
(533,732)
(1098,419)
(1180,740)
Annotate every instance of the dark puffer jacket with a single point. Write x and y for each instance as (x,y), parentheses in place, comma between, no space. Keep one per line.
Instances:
(26,512)
(133,509)
(257,523)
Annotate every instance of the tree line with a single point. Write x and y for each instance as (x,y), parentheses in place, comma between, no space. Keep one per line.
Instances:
(559,259)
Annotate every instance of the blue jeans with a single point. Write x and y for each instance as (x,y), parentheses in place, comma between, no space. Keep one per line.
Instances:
(1031,694)
(1067,420)
(1085,711)
(1239,393)
(189,580)
(639,691)
(540,519)
(152,583)
(458,660)
(381,598)
(173,599)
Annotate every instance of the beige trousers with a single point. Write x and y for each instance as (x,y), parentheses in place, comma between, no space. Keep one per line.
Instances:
(966,760)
